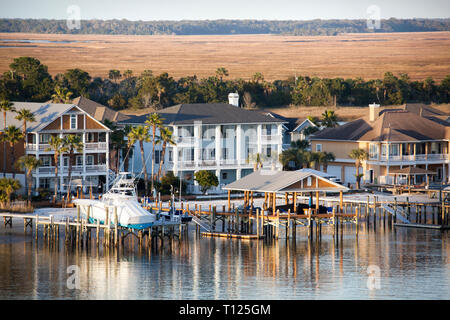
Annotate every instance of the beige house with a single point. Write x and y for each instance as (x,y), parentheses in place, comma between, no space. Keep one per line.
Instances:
(394,139)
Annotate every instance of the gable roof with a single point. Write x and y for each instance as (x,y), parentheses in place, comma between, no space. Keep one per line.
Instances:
(279,181)
(98,111)
(392,125)
(44,113)
(207,113)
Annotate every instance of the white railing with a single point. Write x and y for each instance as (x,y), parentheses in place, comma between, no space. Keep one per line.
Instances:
(95,145)
(34,147)
(418,157)
(185,141)
(75,169)
(87,146)
(270,139)
(207,162)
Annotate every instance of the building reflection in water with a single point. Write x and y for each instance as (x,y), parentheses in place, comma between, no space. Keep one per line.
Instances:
(413,264)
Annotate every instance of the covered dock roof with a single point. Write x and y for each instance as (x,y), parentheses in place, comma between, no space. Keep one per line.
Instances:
(285,182)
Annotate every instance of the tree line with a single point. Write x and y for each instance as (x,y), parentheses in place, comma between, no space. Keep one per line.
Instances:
(28,80)
(206,27)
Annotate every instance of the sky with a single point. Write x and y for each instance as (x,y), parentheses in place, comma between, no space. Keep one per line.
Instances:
(223,9)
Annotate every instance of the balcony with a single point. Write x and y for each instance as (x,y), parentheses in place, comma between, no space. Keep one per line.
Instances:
(88,146)
(34,147)
(95,146)
(98,168)
(417,158)
(185,141)
(270,139)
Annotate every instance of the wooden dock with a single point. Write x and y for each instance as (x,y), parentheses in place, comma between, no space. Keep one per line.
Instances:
(422,226)
(78,231)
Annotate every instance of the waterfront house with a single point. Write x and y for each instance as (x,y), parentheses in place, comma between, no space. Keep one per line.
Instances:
(90,166)
(393,139)
(219,137)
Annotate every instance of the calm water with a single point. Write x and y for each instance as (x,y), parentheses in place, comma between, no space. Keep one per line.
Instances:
(413,264)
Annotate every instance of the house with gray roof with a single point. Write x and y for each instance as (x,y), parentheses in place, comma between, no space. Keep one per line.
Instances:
(219,137)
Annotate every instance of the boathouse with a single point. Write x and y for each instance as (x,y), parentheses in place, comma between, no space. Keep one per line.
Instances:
(288,183)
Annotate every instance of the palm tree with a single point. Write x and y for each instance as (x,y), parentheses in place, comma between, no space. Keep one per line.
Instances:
(155,122)
(358,155)
(128,73)
(257,159)
(300,144)
(73,143)
(57,145)
(28,164)
(141,134)
(12,135)
(221,72)
(166,138)
(5,106)
(61,95)
(25,115)
(8,186)
(329,119)
(326,158)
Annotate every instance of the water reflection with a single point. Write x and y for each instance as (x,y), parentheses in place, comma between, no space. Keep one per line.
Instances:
(414,264)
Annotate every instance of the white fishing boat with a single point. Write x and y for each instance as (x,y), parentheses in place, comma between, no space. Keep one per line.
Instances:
(120,200)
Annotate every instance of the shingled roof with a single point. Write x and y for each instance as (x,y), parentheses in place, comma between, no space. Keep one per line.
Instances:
(99,111)
(44,114)
(392,125)
(207,113)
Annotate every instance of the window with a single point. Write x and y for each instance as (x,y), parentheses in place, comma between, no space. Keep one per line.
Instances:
(224,175)
(65,161)
(44,183)
(170,155)
(73,121)
(90,160)
(157,156)
(89,137)
(79,160)
(318,147)
(373,151)
(46,161)
(308,181)
(269,152)
(43,138)
(224,153)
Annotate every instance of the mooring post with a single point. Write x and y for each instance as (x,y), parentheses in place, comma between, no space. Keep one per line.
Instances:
(116,227)
(236,222)
(288,224)
(257,223)
(278,224)
(356,220)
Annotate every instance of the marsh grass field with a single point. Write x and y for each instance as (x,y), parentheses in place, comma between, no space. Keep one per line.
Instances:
(277,57)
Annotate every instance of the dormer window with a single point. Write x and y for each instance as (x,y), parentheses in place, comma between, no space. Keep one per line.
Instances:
(73,121)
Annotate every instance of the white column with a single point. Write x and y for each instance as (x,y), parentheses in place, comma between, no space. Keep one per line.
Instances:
(218,136)
(238,174)
(258,137)
(280,144)
(107,161)
(197,142)
(218,176)
(37,157)
(239,144)
(61,166)
(175,151)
